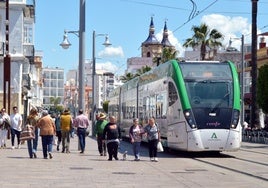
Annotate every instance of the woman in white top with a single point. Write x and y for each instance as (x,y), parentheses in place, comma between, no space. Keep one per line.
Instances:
(16,123)
(153,136)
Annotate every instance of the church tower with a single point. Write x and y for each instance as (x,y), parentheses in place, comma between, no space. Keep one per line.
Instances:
(151,47)
(165,42)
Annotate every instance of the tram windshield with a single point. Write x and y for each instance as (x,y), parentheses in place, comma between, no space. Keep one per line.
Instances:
(208,85)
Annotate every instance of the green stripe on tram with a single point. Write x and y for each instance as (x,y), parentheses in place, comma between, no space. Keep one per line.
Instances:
(236,86)
(179,81)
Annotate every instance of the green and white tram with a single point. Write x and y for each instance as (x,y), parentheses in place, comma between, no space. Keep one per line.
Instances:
(196,104)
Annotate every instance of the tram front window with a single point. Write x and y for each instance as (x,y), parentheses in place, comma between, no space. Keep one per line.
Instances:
(210,94)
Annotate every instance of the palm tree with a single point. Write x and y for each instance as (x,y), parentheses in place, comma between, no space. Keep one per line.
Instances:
(128,76)
(167,54)
(204,37)
(143,70)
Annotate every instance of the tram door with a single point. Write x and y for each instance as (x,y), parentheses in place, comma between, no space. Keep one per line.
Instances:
(177,136)
(176,133)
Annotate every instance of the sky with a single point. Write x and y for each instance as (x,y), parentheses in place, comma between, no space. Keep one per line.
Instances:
(127,24)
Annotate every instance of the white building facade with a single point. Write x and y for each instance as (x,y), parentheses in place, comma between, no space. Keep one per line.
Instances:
(20,49)
(53,85)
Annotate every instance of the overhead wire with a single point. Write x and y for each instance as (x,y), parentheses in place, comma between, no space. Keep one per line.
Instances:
(193,12)
(196,14)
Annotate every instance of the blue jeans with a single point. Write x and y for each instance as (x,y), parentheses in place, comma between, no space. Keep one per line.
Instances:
(32,144)
(47,142)
(81,133)
(136,149)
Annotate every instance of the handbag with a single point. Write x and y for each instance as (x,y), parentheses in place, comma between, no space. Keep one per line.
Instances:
(160,147)
(27,133)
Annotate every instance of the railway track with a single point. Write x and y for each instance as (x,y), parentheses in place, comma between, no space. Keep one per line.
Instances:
(247,167)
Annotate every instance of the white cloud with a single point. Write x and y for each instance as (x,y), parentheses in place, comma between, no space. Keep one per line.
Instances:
(111,52)
(107,66)
(231,27)
(173,40)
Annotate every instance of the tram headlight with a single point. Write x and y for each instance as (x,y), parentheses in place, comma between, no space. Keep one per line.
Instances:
(235,119)
(190,118)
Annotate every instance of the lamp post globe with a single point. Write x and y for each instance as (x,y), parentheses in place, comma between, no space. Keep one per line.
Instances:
(107,42)
(65,43)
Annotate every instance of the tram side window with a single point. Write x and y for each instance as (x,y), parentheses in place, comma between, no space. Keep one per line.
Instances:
(160,106)
(150,106)
(124,110)
(113,110)
(172,94)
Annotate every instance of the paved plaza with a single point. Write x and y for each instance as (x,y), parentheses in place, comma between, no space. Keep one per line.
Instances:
(92,170)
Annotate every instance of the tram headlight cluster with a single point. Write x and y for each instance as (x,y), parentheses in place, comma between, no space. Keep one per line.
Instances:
(235,119)
(190,118)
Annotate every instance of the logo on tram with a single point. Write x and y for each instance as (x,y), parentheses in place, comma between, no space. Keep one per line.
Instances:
(214,136)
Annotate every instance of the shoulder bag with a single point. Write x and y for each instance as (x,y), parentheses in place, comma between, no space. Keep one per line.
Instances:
(27,133)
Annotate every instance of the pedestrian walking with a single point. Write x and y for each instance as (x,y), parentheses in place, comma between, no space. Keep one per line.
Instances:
(112,135)
(4,127)
(47,131)
(153,136)
(16,127)
(32,144)
(81,123)
(100,125)
(66,122)
(135,135)
(58,131)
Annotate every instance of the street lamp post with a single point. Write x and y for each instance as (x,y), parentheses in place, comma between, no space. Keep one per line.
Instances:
(106,44)
(65,44)
(7,65)
(254,69)
(243,82)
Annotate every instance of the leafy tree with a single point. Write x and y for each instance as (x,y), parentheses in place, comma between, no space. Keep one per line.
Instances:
(205,38)
(262,88)
(105,105)
(56,107)
(55,100)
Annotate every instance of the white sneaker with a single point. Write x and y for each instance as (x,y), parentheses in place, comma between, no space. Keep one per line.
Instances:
(152,158)
(18,147)
(13,147)
(156,159)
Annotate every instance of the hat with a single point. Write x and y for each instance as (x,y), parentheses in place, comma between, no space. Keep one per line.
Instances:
(33,111)
(102,116)
(44,112)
